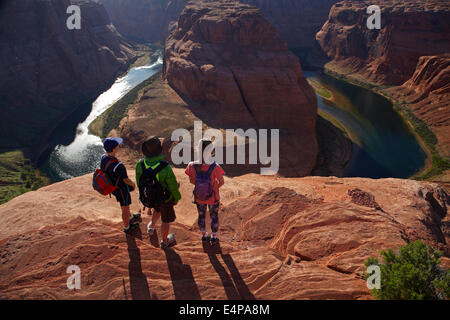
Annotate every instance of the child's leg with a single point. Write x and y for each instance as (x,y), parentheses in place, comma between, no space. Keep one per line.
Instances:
(214,216)
(201,208)
(126,215)
(165,227)
(155,217)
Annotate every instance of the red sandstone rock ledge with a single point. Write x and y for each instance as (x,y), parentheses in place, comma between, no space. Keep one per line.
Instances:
(296,238)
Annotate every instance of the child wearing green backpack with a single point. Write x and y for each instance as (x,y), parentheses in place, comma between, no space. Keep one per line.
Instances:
(158,189)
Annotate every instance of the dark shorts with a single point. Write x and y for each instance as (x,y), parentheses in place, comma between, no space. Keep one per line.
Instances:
(123,196)
(167,212)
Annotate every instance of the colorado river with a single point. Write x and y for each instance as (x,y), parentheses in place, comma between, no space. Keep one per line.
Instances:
(383,144)
(82,155)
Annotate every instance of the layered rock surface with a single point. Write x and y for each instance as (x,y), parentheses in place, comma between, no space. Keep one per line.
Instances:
(428,95)
(231,62)
(409,30)
(301,238)
(47,70)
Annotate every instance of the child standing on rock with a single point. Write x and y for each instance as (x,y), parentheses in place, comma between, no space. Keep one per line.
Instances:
(158,189)
(117,173)
(207,178)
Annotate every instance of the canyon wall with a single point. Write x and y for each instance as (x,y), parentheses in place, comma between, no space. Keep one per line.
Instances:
(47,70)
(427,93)
(229,59)
(298,21)
(144,20)
(407,59)
(409,30)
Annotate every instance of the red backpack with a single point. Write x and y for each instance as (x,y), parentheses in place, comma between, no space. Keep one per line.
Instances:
(101,181)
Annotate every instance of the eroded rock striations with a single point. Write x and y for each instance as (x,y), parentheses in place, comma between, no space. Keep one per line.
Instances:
(47,70)
(230,60)
(428,95)
(409,30)
(281,238)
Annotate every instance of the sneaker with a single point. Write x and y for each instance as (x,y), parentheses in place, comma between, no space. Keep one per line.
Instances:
(150,230)
(214,240)
(130,228)
(135,218)
(170,241)
(206,238)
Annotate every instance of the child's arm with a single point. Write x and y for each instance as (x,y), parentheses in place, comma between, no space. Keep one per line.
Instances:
(172,185)
(219,177)
(221,181)
(129,182)
(188,171)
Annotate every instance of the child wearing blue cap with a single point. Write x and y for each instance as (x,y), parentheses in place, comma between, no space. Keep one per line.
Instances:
(117,173)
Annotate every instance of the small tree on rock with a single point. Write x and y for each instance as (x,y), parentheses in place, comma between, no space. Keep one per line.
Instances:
(412,274)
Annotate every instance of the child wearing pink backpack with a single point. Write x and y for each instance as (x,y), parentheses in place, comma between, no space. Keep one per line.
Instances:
(207,178)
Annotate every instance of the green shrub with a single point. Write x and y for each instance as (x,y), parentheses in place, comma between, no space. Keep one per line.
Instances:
(413,274)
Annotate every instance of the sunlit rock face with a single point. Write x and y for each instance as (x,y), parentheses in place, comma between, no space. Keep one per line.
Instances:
(229,58)
(409,30)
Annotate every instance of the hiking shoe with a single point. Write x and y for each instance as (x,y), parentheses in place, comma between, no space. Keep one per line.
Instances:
(170,241)
(206,238)
(136,217)
(214,240)
(130,228)
(150,230)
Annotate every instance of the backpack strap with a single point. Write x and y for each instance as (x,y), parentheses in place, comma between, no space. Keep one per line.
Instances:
(197,170)
(109,163)
(210,169)
(158,169)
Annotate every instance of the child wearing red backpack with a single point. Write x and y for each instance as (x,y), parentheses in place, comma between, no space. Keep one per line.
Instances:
(207,178)
(117,174)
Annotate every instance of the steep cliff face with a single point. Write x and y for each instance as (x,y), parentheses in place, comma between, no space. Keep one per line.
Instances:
(47,70)
(298,21)
(144,20)
(428,95)
(228,58)
(409,30)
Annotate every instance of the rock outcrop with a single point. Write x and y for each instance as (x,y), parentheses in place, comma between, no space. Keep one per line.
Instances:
(409,30)
(47,70)
(298,21)
(296,238)
(428,95)
(231,62)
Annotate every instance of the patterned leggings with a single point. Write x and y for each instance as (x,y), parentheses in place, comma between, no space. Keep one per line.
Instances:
(213,214)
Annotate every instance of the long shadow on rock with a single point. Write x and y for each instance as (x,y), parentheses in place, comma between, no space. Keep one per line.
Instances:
(138,281)
(236,290)
(183,282)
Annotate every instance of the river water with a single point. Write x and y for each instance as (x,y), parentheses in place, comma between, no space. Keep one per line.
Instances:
(82,154)
(383,144)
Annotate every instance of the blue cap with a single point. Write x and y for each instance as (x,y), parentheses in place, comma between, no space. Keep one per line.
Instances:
(110,143)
